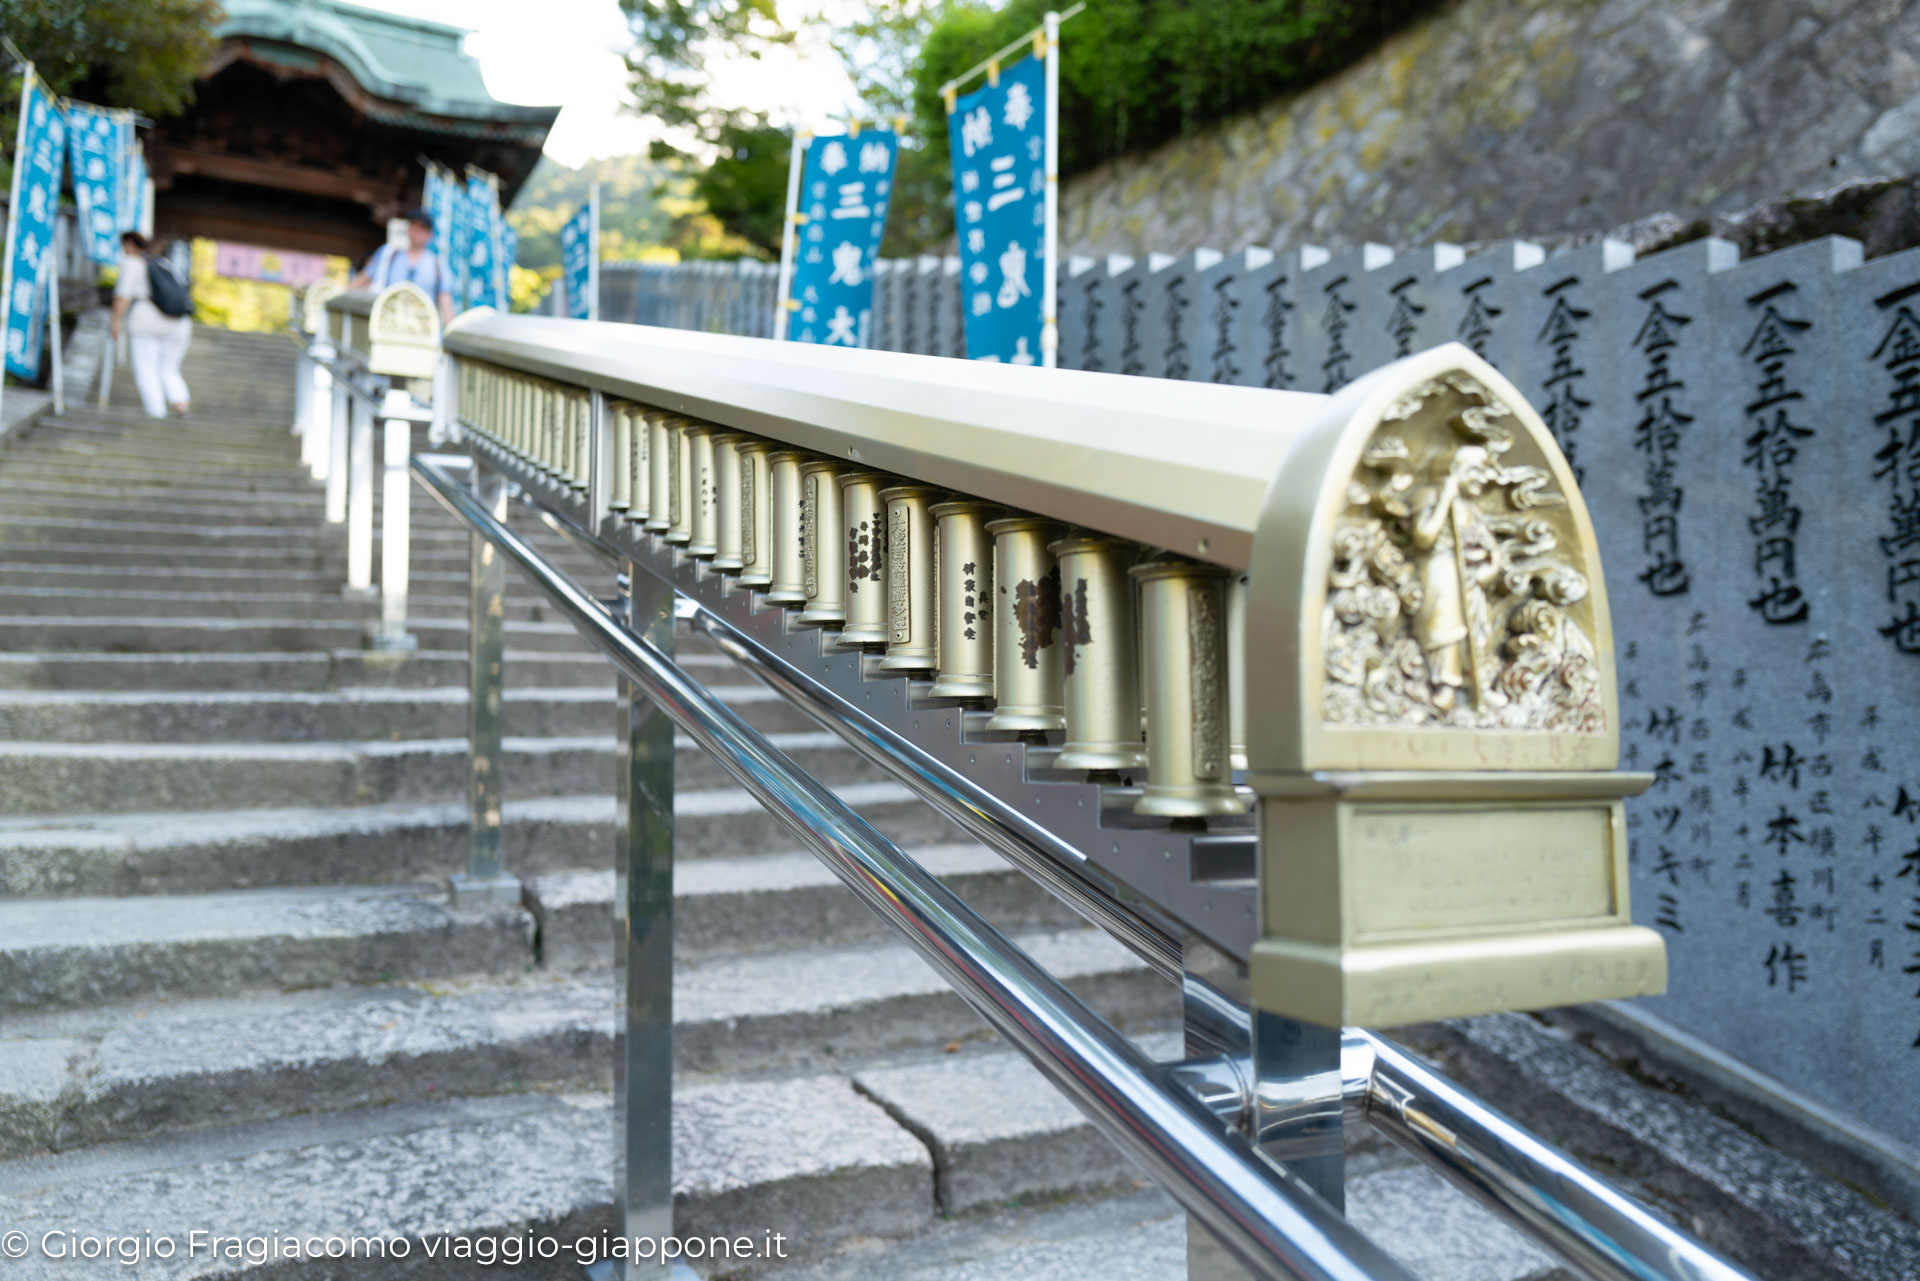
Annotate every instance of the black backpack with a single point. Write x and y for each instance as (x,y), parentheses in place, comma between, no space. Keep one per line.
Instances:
(168,291)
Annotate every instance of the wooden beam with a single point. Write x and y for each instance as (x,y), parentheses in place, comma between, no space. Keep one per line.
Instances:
(169,162)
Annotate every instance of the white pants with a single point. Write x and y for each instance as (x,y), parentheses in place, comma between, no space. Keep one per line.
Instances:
(156,367)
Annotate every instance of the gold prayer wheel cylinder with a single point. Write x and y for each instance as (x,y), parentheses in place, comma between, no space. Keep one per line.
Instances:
(679,483)
(966,607)
(620,421)
(1237,672)
(639,484)
(864,519)
(706,525)
(1100,682)
(756,515)
(1183,664)
(580,405)
(539,412)
(789,585)
(660,446)
(1026,627)
(563,460)
(823,554)
(551,438)
(912,584)
(726,501)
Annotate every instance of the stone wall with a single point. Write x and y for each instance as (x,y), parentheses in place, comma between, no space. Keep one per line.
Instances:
(1497,118)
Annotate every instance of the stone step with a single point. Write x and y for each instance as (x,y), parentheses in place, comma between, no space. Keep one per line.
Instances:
(119,778)
(138,634)
(80,952)
(365,712)
(201,852)
(298,493)
(764,902)
(806,1157)
(327,553)
(324,603)
(317,669)
(187,532)
(185,578)
(101,1075)
(224,451)
(303,511)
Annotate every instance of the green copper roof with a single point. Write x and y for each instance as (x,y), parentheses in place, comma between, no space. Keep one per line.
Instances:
(404,60)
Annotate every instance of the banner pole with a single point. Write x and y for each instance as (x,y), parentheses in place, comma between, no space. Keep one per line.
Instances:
(13,215)
(789,232)
(593,253)
(52,269)
(1050,288)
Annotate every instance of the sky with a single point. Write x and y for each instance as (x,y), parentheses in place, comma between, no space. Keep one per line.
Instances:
(569,55)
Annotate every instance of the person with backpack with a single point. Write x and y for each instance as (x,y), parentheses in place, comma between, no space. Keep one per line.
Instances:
(153,301)
(416,262)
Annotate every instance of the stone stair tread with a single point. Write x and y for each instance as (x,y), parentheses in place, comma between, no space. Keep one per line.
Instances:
(148,920)
(190,851)
(153,831)
(105,1073)
(806,1156)
(771,873)
(760,902)
(97,951)
(298,668)
(1138,1236)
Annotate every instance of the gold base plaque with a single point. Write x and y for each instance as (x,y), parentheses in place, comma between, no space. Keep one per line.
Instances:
(1397,898)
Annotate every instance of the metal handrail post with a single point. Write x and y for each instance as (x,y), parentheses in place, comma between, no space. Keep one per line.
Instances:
(302,394)
(106,370)
(643,900)
(1270,1220)
(396,525)
(485,882)
(338,430)
(360,497)
(316,450)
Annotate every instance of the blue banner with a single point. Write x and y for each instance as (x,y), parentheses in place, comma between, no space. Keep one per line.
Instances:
(486,257)
(844,189)
(133,178)
(440,196)
(35,200)
(998,139)
(576,262)
(98,138)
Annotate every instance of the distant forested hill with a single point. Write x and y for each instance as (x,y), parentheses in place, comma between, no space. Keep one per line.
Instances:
(647,212)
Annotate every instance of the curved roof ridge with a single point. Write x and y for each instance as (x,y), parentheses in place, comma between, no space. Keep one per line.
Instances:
(407,60)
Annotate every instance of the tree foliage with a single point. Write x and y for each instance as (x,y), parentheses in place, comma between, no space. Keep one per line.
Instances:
(673,39)
(1132,72)
(142,54)
(649,212)
(1138,72)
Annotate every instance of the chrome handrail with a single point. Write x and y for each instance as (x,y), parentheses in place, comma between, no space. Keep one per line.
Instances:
(1267,1217)
(1533,1185)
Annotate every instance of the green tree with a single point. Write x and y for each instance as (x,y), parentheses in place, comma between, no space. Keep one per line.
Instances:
(667,66)
(744,186)
(142,54)
(1134,73)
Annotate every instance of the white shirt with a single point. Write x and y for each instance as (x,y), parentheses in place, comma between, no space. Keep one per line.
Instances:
(144,320)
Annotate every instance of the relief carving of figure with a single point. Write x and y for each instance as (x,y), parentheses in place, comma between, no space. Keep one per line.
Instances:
(1446,603)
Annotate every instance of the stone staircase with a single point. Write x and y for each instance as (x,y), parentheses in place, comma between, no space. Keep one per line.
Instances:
(234,999)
